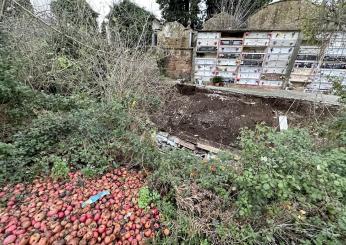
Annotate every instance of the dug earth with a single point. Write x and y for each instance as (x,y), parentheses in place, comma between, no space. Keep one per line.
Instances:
(198,114)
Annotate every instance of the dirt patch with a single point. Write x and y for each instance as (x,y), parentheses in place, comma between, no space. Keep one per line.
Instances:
(192,113)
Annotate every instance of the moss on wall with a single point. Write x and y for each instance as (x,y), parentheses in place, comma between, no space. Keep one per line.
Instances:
(283,15)
(222,21)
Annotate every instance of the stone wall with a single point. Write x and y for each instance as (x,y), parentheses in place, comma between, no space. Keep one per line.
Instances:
(283,15)
(174,36)
(175,39)
(178,64)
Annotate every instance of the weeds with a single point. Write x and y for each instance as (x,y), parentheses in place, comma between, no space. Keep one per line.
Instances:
(90,171)
(280,186)
(60,169)
(146,197)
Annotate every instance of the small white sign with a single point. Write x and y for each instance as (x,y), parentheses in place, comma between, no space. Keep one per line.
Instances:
(283,123)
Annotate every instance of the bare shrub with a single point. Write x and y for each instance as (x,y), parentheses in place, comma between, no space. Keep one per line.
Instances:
(66,58)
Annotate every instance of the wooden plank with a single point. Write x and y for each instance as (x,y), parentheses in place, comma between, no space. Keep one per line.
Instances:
(207,148)
(186,144)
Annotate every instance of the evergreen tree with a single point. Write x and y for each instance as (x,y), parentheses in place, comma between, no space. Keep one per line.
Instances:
(74,12)
(184,11)
(196,22)
(133,23)
(211,8)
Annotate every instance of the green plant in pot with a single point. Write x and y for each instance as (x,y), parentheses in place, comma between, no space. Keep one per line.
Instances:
(217,80)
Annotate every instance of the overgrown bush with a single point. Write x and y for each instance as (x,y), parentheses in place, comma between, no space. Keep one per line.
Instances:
(75,12)
(283,189)
(70,95)
(95,133)
(286,177)
(67,58)
(133,24)
(290,165)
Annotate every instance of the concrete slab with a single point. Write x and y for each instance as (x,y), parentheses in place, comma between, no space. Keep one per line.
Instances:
(278,93)
(320,98)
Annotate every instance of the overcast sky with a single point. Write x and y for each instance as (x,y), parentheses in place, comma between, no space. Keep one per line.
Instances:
(150,5)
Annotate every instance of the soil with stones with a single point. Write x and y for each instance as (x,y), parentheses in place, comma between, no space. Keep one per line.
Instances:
(200,114)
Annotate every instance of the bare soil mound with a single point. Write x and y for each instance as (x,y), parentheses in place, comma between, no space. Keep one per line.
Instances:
(193,113)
